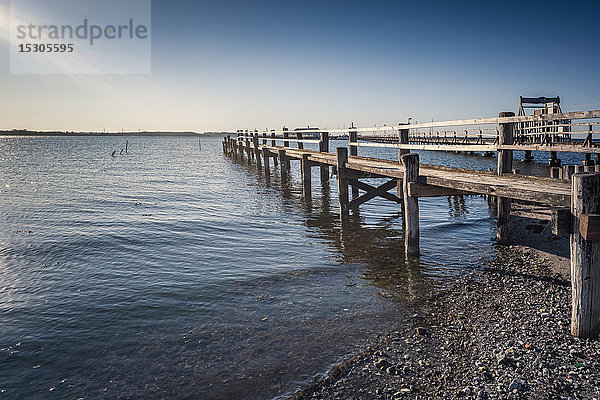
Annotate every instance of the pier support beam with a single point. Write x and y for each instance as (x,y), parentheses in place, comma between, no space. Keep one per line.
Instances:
(306,175)
(324,148)
(283,165)
(342,179)
(266,154)
(585,256)
(554,161)
(505,159)
(528,156)
(248,151)
(299,138)
(410,171)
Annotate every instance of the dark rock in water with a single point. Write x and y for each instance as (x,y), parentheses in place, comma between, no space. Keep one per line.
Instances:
(421,331)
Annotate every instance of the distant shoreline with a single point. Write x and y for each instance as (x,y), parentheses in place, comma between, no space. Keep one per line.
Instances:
(120,134)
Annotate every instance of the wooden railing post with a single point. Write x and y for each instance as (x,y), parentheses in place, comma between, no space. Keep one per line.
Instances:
(256,149)
(273,143)
(585,257)
(324,148)
(286,135)
(299,138)
(505,159)
(342,179)
(264,135)
(410,172)
(402,139)
(353,138)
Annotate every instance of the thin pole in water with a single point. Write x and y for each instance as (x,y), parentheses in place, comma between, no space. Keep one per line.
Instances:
(126,146)
(199,144)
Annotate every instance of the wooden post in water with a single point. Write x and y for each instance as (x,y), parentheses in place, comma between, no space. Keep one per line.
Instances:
(256,149)
(126,146)
(324,148)
(353,138)
(410,171)
(264,135)
(585,255)
(306,175)
(342,179)
(283,165)
(266,154)
(248,151)
(505,158)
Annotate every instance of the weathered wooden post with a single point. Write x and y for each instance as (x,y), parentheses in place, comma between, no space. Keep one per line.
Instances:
(249,153)
(410,171)
(284,170)
(342,179)
(274,143)
(505,158)
(266,154)
(299,140)
(585,255)
(352,140)
(256,149)
(324,148)
(306,175)
(264,135)
(286,135)
(402,139)
(554,172)
(240,145)
(286,143)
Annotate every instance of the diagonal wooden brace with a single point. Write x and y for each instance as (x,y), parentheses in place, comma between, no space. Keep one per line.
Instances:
(372,192)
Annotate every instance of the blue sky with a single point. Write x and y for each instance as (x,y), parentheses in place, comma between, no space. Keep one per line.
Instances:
(224,65)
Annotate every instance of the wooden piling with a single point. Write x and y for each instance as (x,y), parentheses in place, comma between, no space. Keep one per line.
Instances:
(505,159)
(410,172)
(306,175)
(266,154)
(248,151)
(342,179)
(585,258)
(324,148)
(554,172)
(283,165)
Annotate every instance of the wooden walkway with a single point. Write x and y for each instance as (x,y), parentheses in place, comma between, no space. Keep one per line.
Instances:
(574,199)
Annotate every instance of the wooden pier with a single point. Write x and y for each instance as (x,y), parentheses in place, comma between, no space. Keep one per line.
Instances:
(573,197)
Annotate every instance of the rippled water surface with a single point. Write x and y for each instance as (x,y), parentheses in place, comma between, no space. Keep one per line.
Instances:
(172,271)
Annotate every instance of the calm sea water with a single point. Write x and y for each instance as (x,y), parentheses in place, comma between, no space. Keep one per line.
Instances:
(171,271)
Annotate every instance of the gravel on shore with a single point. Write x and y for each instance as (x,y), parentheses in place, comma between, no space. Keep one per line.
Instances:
(499,332)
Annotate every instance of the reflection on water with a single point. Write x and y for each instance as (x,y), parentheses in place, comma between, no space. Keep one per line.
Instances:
(172,271)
